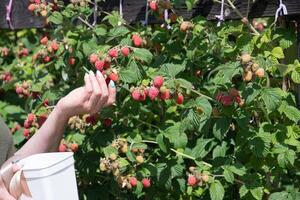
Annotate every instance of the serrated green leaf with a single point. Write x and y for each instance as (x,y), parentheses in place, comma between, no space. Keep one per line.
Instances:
(243,191)
(272,98)
(143,54)
(171,70)
(228,175)
(257,193)
(290,112)
(216,191)
(277,52)
(295,76)
(221,127)
(56,17)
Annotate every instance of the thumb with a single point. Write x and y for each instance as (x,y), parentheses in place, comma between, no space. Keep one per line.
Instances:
(112,92)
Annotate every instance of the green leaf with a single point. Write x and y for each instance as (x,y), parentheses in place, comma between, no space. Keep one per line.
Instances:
(280,196)
(117,32)
(176,136)
(243,191)
(295,76)
(228,175)
(286,158)
(100,31)
(11,109)
(143,54)
(190,4)
(290,112)
(277,52)
(272,98)
(163,143)
(257,193)
(132,74)
(201,148)
(56,18)
(171,70)
(221,127)
(216,191)
(18,137)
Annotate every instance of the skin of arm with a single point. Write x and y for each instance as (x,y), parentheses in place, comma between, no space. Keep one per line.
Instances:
(90,98)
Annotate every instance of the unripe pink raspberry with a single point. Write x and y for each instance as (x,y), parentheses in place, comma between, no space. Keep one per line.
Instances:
(93,58)
(54,46)
(62,148)
(30,117)
(158,81)
(125,51)
(146,182)
(133,181)
(26,132)
(192,180)
(99,64)
(164,95)
(27,124)
(136,94)
(114,77)
(113,53)
(44,40)
(19,90)
(153,93)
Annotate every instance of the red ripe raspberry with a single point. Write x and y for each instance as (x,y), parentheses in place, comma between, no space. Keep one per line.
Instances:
(165,94)
(74,147)
(46,102)
(146,182)
(180,98)
(219,96)
(143,96)
(113,53)
(37,1)
(19,90)
(26,132)
(93,58)
(62,148)
(42,119)
(136,95)
(153,5)
(71,61)
(44,40)
(54,46)
(106,65)
(138,42)
(99,64)
(226,100)
(47,59)
(107,122)
(31,7)
(114,77)
(30,117)
(192,180)
(133,181)
(158,81)
(125,51)
(92,119)
(153,93)
(35,95)
(238,99)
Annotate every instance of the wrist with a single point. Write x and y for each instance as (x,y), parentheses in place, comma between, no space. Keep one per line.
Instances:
(60,112)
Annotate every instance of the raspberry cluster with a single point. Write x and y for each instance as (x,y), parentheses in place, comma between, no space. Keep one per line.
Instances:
(230,97)
(4,51)
(251,69)
(6,77)
(42,7)
(33,123)
(196,178)
(65,146)
(48,50)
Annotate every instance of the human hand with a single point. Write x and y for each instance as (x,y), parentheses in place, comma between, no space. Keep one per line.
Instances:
(89,99)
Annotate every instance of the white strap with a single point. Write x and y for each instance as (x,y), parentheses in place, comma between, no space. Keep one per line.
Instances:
(281,10)
(221,16)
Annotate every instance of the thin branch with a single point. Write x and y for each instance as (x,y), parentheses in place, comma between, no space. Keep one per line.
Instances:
(95,12)
(85,22)
(241,16)
(178,153)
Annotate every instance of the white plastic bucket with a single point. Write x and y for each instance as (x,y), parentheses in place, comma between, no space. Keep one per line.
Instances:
(50,176)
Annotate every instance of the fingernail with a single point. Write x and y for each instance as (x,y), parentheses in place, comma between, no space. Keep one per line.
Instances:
(112,84)
(99,74)
(92,73)
(85,75)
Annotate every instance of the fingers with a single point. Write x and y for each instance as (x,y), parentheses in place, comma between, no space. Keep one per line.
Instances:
(88,85)
(96,94)
(112,92)
(104,89)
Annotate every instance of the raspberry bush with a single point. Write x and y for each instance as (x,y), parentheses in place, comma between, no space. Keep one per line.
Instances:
(202,112)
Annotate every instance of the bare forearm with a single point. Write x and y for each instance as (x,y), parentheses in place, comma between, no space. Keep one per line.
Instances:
(47,138)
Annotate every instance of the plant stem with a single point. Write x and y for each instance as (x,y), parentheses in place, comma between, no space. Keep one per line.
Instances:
(85,22)
(199,93)
(241,16)
(178,153)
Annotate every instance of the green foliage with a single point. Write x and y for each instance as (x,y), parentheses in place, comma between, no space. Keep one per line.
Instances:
(245,148)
